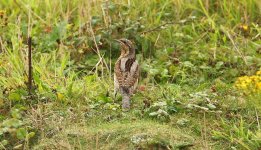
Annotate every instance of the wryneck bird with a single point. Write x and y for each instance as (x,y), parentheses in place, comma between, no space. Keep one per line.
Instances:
(126,72)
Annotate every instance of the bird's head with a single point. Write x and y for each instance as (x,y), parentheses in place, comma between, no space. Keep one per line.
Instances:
(127,48)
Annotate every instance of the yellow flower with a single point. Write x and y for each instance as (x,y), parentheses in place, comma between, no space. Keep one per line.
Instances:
(255,78)
(60,96)
(258,85)
(243,86)
(258,73)
(242,78)
(250,84)
(248,80)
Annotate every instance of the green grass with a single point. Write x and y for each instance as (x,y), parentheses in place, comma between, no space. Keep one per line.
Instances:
(119,135)
(191,52)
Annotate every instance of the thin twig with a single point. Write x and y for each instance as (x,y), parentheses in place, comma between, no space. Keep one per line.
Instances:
(1,45)
(257,119)
(97,49)
(108,137)
(157,40)
(30,72)
(234,44)
(200,38)
(2,146)
(30,78)
(97,64)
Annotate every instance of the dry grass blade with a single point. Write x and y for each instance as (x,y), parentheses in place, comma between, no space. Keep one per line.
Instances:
(234,44)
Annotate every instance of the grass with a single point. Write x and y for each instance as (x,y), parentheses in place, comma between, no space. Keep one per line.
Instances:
(134,134)
(191,54)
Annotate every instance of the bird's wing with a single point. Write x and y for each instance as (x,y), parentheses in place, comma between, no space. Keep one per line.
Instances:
(133,73)
(127,71)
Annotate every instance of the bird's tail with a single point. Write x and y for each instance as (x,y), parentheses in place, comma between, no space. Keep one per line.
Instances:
(125,98)
(125,102)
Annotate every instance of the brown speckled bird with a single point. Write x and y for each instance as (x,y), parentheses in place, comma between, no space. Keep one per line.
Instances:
(126,72)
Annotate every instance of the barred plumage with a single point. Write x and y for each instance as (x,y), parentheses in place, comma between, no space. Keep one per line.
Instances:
(126,72)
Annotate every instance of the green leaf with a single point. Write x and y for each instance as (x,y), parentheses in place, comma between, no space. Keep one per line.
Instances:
(219,64)
(95,20)
(21,133)
(90,79)
(173,69)
(159,104)
(14,96)
(12,123)
(105,99)
(153,71)
(98,38)
(172,109)
(30,135)
(153,114)
(188,64)
(182,121)
(211,106)
(4,142)
(164,73)
(15,113)
(58,32)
